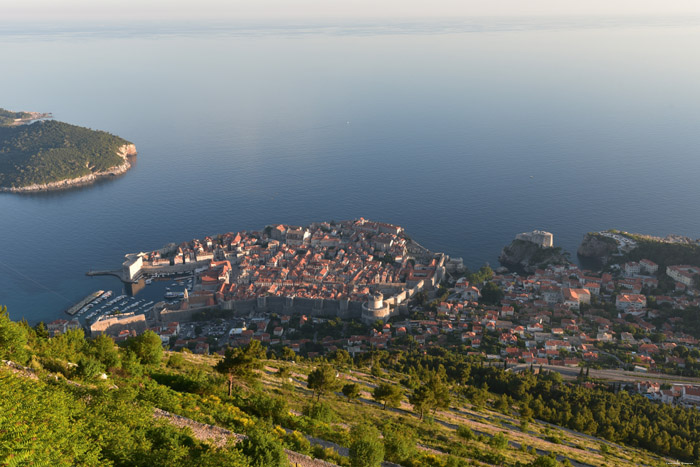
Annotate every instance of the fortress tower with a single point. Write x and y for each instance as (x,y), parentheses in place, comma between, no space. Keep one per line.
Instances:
(375,309)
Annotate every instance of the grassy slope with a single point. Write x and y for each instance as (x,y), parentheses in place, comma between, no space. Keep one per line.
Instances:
(439,436)
(436,437)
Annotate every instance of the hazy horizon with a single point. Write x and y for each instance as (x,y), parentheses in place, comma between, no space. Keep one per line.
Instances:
(111,11)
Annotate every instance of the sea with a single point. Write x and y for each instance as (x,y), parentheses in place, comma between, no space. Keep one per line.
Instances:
(465,132)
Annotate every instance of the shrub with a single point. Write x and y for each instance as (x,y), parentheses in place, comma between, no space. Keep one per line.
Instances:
(465,433)
(176,360)
(366,449)
(268,407)
(544,461)
(321,412)
(329,454)
(297,442)
(499,441)
(399,443)
(264,448)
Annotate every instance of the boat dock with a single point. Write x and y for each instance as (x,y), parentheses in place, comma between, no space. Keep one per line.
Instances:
(117,273)
(74,309)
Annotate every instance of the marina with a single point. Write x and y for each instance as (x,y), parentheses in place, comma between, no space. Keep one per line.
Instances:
(85,301)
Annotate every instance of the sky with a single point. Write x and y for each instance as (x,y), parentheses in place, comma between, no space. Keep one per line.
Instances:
(72,11)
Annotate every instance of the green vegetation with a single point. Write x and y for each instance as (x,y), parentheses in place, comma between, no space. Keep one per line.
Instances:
(485,273)
(618,417)
(662,253)
(323,380)
(7,117)
(61,410)
(51,151)
(388,394)
(491,294)
(238,364)
(351,391)
(366,449)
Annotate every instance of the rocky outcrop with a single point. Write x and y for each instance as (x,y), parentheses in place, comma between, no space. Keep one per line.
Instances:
(125,151)
(597,246)
(526,256)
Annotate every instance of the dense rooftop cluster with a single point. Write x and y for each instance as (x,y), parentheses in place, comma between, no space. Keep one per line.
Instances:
(330,261)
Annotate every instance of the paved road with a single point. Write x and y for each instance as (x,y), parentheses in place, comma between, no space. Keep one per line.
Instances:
(613,376)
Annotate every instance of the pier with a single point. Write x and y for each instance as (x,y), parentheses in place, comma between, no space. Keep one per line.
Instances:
(74,309)
(145,270)
(119,273)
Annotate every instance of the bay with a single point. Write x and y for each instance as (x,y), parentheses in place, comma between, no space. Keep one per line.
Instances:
(463,133)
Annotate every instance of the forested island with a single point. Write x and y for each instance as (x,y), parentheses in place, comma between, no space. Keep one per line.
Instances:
(37,154)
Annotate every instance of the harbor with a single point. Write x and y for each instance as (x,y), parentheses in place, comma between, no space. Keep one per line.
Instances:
(84,302)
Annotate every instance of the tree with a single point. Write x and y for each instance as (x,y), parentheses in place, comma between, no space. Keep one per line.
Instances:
(13,339)
(388,394)
(103,349)
(431,396)
(41,331)
(341,358)
(526,413)
(366,449)
(491,293)
(284,372)
(239,364)
(322,380)
(89,367)
(422,400)
(289,354)
(148,347)
(485,273)
(440,391)
(351,391)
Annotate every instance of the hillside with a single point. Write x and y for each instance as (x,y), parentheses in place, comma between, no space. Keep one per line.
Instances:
(7,117)
(663,253)
(50,154)
(80,401)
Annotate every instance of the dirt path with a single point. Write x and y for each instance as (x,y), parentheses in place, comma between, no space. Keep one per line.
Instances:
(219,437)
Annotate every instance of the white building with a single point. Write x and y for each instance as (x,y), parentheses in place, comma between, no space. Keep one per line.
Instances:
(132,265)
(631,268)
(648,266)
(632,301)
(538,237)
(684,274)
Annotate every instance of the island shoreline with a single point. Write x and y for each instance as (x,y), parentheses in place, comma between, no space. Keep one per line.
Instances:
(125,152)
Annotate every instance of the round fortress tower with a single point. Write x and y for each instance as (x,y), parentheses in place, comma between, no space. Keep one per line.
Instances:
(375,308)
(376,301)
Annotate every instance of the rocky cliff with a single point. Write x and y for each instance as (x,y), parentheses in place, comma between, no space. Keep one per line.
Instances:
(598,247)
(527,256)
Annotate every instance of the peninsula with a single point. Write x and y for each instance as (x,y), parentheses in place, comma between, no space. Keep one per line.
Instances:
(37,154)
(531,251)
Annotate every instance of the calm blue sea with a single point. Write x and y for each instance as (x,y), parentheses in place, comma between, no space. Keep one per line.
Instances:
(466,133)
